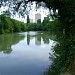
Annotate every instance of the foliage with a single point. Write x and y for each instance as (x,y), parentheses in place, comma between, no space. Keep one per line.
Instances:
(66,11)
(39,21)
(6,13)
(45,23)
(8,25)
(63,55)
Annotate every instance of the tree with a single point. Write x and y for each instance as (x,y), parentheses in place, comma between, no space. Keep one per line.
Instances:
(28,20)
(6,13)
(39,25)
(46,20)
(45,23)
(66,10)
(39,21)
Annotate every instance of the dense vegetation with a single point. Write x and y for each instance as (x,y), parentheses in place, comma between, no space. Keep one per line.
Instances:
(66,11)
(8,25)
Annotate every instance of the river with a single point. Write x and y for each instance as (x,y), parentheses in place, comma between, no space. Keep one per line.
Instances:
(37,53)
(25,53)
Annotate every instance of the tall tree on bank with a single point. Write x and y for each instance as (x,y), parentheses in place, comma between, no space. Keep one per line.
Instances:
(28,19)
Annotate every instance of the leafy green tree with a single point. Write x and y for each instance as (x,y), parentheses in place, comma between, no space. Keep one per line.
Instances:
(39,21)
(39,25)
(45,22)
(8,25)
(66,11)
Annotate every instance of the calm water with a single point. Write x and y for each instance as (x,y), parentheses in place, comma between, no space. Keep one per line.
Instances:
(25,53)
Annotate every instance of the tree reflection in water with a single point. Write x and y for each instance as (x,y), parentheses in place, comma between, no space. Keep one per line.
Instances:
(7,40)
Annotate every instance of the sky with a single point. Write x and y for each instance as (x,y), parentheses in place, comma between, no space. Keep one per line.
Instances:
(44,12)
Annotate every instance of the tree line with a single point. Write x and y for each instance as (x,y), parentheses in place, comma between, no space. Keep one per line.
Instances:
(8,25)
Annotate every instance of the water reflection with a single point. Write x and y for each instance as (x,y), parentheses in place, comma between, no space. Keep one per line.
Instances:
(33,52)
(28,38)
(7,40)
(38,37)
(27,53)
(64,60)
